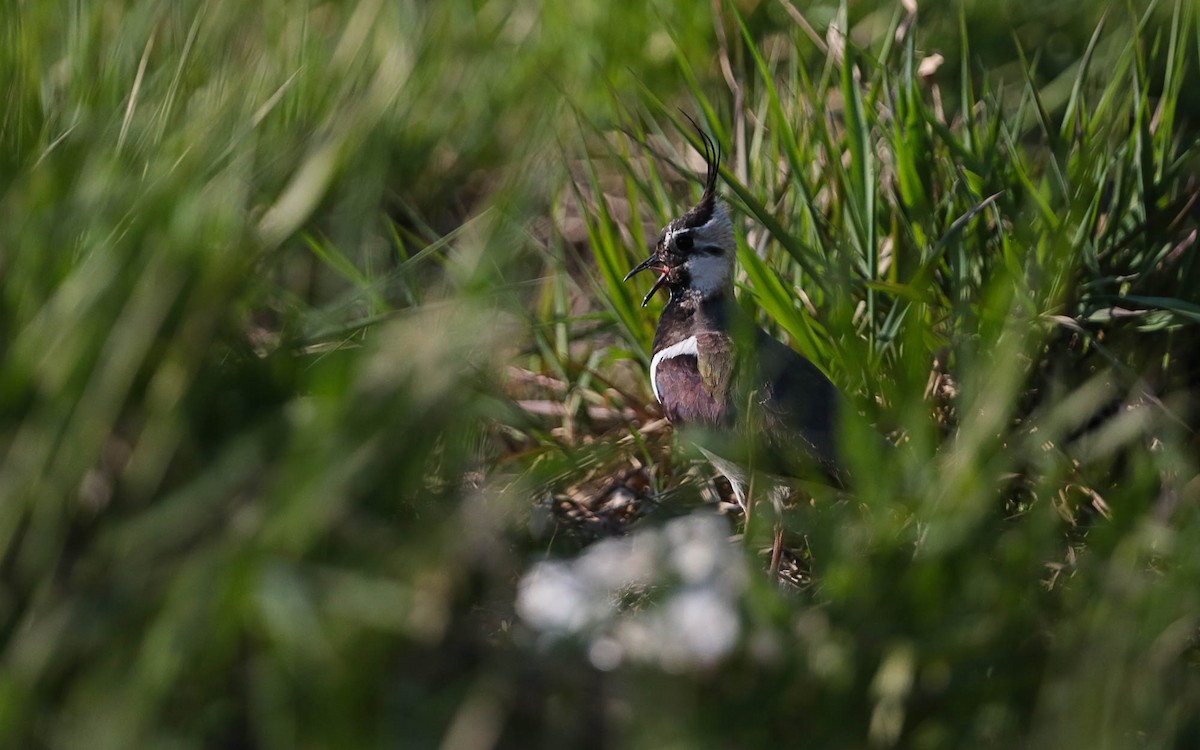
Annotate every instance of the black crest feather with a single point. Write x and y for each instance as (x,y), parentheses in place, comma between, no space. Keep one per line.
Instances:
(699,214)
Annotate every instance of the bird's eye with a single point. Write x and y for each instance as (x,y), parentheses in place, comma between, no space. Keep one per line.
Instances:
(683,241)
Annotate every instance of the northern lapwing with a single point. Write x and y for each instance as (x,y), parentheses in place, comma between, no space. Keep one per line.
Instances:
(713,368)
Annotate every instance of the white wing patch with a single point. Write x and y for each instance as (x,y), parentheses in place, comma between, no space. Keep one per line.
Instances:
(682,349)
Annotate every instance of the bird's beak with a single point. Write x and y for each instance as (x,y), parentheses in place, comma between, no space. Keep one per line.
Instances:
(653,262)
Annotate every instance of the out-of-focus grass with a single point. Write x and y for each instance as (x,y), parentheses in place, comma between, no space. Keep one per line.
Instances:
(306,308)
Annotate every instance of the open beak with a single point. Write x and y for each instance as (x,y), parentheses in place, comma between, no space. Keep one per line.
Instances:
(655,264)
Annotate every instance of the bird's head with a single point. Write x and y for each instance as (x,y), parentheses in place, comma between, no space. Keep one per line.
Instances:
(695,252)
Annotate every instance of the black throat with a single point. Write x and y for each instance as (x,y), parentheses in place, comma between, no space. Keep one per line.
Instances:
(689,314)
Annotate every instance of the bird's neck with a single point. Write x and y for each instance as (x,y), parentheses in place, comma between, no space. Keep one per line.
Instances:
(687,314)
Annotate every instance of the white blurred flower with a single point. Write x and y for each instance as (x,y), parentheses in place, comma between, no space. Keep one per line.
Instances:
(620,562)
(704,622)
(698,547)
(552,598)
(694,621)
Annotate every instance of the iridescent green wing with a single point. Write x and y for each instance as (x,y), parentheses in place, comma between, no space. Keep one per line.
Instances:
(717,362)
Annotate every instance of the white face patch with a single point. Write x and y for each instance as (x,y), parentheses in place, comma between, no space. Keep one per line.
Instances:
(718,230)
(709,273)
(683,348)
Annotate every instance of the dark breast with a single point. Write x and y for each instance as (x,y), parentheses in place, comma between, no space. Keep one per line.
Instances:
(685,397)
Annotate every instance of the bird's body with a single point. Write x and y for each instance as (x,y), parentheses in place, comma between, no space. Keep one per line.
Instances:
(713,368)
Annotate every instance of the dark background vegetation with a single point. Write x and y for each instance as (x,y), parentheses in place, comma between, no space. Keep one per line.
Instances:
(313,347)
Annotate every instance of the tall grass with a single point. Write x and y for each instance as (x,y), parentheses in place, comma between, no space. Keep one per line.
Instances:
(965,255)
(314,345)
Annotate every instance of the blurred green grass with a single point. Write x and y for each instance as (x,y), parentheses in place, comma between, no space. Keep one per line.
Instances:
(309,311)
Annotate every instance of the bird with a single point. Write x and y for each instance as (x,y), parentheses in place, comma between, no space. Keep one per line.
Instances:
(763,405)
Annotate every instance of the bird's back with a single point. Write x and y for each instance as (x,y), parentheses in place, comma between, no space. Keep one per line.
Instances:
(796,410)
